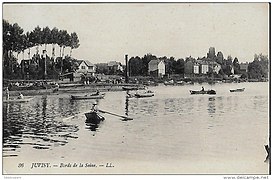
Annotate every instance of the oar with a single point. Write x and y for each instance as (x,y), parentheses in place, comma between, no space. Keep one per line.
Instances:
(125,117)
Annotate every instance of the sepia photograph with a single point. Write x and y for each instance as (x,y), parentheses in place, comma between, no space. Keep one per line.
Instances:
(136,88)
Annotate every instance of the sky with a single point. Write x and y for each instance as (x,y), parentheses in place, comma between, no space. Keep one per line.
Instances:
(108,31)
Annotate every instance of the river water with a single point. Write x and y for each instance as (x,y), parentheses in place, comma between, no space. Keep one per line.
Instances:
(171,133)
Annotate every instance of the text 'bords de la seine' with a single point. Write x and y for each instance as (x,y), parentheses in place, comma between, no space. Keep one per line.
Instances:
(69,165)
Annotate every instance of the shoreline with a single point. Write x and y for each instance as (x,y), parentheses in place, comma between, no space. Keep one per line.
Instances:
(84,88)
(75,88)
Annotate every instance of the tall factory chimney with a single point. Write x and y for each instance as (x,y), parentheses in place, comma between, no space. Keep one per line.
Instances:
(126,69)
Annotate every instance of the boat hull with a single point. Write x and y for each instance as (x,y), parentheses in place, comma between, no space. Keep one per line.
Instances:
(75,97)
(129,88)
(93,117)
(237,90)
(203,92)
(144,95)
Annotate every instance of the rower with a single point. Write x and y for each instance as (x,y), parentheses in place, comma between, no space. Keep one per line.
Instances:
(20,96)
(94,107)
(98,92)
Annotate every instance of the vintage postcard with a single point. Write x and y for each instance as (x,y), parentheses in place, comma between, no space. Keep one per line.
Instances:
(136,88)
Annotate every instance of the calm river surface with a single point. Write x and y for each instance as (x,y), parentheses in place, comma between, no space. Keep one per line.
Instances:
(172,132)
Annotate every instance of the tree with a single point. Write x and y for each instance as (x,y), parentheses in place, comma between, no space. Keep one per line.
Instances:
(220,58)
(146,59)
(74,42)
(45,35)
(258,69)
(170,65)
(36,38)
(28,43)
(236,66)
(66,40)
(136,66)
(54,39)
(211,53)
(7,44)
(179,66)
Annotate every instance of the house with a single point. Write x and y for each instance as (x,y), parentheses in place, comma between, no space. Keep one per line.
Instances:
(156,68)
(215,66)
(86,68)
(115,67)
(244,67)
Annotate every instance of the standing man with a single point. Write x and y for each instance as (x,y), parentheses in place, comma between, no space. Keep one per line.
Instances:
(7,93)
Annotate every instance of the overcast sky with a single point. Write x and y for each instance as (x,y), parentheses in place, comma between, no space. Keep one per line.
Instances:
(109,31)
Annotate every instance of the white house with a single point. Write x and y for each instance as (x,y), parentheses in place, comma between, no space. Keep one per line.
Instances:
(115,66)
(86,67)
(156,68)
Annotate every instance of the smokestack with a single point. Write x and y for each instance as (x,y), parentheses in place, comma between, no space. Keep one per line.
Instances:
(126,69)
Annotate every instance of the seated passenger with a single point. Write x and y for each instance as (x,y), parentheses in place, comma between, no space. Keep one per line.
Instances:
(20,96)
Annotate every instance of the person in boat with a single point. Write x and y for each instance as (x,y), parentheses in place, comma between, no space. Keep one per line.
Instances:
(94,107)
(203,89)
(20,96)
(97,92)
(7,93)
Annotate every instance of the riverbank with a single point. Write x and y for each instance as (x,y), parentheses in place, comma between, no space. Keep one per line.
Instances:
(75,88)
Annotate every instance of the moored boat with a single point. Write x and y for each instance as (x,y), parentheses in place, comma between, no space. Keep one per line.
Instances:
(237,90)
(203,92)
(144,94)
(87,96)
(171,82)
(16,100)
(125,88)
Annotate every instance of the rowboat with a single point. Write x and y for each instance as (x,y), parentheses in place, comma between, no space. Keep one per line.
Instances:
(144,94)
(171,82)
(25,99)
(130,95)
(203,92)
(87,96)
(93,117)
(237,90)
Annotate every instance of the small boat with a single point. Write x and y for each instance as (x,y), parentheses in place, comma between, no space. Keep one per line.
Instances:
(130,95)
(237,90)
(180,82)
(93,117)
(87,96)
(144,94)
(171,82)
(203,92)
(16,100)
(129,88)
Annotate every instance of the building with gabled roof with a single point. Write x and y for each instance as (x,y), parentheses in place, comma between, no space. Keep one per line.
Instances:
(86,67)
(156,68)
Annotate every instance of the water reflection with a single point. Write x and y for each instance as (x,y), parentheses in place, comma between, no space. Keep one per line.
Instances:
(126,105)
(93,121)
(35,124)
(211,106)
